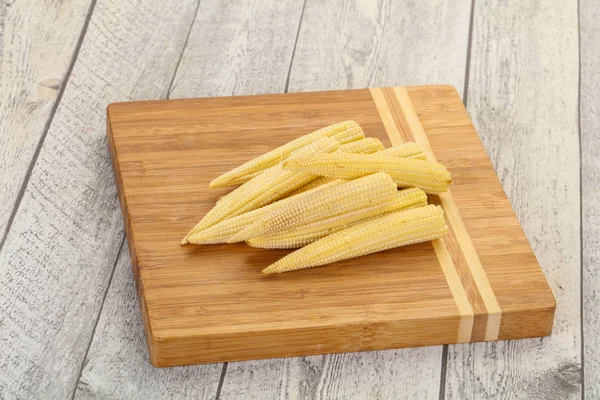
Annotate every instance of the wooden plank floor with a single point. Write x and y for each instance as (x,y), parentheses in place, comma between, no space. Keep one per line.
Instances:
(70,326)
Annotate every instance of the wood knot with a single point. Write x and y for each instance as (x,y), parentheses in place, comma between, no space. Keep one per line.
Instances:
(47,88)
(570,374)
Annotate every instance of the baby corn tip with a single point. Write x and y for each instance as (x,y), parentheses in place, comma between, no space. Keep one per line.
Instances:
(270,270)
(196,239)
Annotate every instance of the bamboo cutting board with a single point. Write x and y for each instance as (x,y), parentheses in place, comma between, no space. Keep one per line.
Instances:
(203,304)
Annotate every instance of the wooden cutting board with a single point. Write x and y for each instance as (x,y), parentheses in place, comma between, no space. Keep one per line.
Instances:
(204,304)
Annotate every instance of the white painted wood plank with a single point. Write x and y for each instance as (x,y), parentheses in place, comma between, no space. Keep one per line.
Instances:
(365,43)
(37,43)
(238,47)
(234,48)
(59,254)
(590,186)
(117,364)
(345,45)
(522,96)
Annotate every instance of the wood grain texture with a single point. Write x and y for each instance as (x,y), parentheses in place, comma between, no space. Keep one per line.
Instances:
(590,164)
(210,51)
(117,364)
(59,255)
(37,44)
(238,47)
(489,221)
(523,99)
(357,44)
(367,375)
(205,304)
(403,125)
(364,43)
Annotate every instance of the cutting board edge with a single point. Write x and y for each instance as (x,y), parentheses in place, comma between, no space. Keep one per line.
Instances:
(165,351)
(148,329)
(114,108)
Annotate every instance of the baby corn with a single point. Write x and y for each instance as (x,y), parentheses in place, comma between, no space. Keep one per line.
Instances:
(433,178)
(386,232)
(269,186)
(366,146)
(343,132)
(298,237)
(347,197)
(406,150)
(349,135)
(220,232)
(320,181)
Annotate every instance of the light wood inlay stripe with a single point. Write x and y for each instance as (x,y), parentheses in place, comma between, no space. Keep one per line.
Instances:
(462,268)
(398,114)
(455,220)
(441,250)
(386,116)
(459,294)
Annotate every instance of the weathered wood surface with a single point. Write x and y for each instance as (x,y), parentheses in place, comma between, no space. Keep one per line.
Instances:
(59,254)
(522,97)
(590,186)
(352,45)
(343,45)
(117,366)
(37,45)
(388,374)
(238,47)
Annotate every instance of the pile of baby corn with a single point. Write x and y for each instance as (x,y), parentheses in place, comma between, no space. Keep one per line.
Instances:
(333,194)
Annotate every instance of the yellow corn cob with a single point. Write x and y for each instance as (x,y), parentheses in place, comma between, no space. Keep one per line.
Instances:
(269,186)
(347,197)
(386,232)
(432,177)
(299,237)
(406,150)
(248,170)
(321,180)
(366,146)
(349,135)
(220,232)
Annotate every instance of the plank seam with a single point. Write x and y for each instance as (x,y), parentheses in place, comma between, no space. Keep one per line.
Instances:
(38,148)
(221,380)
(470,253)
(443,372)
(287,80)
(87,351)
(446,263)
(187,38)
(581,300)
(468,61)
